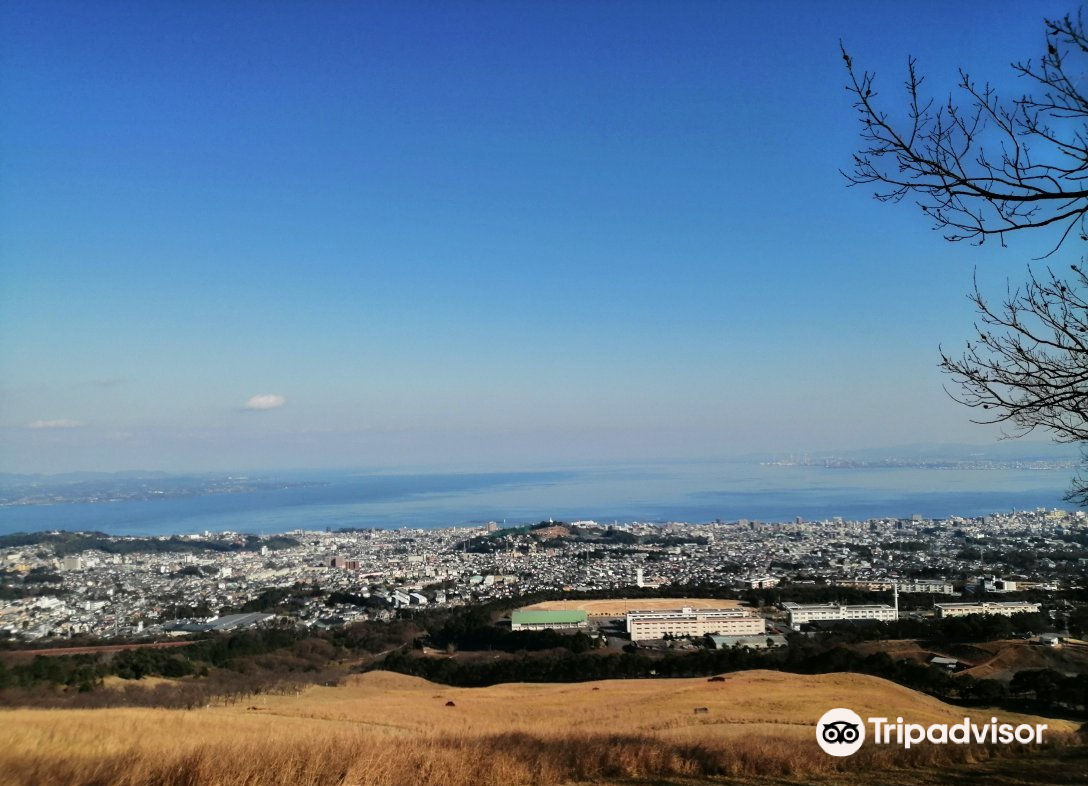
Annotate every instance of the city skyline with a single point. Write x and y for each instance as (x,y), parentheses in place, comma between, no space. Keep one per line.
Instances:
(271,237)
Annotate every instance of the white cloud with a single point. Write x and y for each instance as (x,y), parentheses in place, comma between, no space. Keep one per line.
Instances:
(55,424)
(265,401)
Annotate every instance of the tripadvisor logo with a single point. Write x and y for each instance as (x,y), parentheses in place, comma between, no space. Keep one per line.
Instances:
(841,732)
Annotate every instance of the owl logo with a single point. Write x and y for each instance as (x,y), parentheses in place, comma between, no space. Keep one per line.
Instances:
(840,732)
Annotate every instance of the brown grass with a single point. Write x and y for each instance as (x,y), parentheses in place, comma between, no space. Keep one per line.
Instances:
(387,729)
(1002,659)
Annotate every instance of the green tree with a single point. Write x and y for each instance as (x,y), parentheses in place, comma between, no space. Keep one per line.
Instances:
(989,691)
(1046,684)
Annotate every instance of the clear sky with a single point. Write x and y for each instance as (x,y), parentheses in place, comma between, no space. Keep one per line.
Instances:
(283,234)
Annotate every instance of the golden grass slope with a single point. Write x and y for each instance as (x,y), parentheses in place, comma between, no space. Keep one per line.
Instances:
(384,729)
(410,704)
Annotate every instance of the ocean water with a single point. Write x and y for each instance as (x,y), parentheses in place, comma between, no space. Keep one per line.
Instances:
(696,492)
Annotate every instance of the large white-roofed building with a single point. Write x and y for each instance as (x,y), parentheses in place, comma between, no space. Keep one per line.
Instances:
(945,610)
(829,612)
(800,614)
(656,624)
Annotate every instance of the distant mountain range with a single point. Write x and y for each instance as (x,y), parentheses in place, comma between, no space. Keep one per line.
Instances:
(16,479)
(16,489)
(923,452)
(1011,450)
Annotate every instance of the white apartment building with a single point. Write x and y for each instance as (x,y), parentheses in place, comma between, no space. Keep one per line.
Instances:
(763,582)
(884,585)
(945,610)
(994,584)
(932,586)
(799,613)
(644,625)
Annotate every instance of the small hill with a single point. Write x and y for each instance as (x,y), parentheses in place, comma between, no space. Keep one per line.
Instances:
(1000,660)
(555,531)
(384,729)
(628,706)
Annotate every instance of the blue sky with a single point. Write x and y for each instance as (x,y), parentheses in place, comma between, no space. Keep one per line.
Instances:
(469,234)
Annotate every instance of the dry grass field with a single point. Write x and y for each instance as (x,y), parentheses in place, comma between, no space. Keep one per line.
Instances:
(1002,659)
(990,659)
(384,729)
(618,607)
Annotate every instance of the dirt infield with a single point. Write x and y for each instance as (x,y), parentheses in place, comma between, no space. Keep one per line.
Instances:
(618,607)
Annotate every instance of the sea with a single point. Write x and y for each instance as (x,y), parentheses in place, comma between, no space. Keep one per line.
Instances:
(693,492)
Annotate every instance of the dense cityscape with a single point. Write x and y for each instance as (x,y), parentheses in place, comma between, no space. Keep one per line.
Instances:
(60,585)
(543,394)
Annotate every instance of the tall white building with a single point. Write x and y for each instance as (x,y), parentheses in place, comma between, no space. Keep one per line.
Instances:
(799,613)
(945,610)
(644,625)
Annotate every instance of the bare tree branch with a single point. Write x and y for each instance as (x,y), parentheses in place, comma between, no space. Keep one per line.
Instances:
(985,166)
(988,166)
(1028,366)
